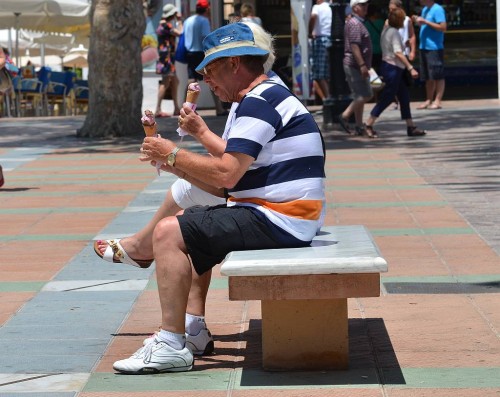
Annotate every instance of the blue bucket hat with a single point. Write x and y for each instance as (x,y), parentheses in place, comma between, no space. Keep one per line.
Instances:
(233,40)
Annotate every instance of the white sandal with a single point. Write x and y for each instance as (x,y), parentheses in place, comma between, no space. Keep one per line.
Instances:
(115,249)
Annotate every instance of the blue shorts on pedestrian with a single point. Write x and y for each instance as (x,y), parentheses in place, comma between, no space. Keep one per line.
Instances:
(431,65)
(320,65)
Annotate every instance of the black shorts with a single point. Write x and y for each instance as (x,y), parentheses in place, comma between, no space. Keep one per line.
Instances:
(193,60)
(431,65)
(210,233)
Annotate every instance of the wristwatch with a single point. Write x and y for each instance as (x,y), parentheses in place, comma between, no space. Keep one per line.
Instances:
(171,157)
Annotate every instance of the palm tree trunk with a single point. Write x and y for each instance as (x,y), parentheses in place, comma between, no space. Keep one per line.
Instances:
(115,69)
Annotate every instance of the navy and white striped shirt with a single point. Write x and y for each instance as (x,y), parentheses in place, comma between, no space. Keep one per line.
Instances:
(286,181)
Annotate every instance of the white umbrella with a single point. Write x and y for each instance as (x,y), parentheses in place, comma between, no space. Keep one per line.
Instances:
(36,44)
(77,57)
(44,15)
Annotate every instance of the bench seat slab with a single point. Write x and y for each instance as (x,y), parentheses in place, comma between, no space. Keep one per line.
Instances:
(305,334)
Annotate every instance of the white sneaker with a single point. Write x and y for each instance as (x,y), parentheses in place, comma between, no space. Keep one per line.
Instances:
(156,356)
(200,345)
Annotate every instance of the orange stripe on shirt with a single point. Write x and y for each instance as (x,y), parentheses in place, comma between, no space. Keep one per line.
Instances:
(302,209)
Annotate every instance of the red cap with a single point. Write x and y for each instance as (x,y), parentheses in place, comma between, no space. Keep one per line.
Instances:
(203,3)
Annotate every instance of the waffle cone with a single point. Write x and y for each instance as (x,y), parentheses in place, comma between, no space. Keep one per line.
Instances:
(150,130)
(192,96)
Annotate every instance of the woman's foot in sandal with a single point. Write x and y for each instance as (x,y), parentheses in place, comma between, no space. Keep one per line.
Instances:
(370,132)
(425,105)
(415,131)
(344,124)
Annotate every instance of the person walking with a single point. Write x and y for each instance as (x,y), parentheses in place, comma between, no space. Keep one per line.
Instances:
(320,31)
(167,33)
(357,63)
(432,24)
(394,63)
(407,33)
(196,28)
(375,24)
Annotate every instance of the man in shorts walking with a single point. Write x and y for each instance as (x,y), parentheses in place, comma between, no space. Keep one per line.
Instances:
(432,24)
(357,63)
(272,173)
(320,31)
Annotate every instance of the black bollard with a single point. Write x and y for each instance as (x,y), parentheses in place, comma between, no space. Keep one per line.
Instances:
(339,96)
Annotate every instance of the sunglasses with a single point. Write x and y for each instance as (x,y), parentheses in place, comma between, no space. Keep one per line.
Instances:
(211,67)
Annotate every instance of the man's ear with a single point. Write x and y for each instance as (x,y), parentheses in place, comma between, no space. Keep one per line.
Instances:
(235,63)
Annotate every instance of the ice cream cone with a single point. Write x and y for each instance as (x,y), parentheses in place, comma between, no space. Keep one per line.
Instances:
(149,123)
(192,96)
(193,92)
(150,130)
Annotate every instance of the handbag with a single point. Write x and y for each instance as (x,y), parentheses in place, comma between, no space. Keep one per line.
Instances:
(180,51)
(375,80)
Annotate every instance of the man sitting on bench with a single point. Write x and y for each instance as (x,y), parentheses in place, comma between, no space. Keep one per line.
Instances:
(273,170)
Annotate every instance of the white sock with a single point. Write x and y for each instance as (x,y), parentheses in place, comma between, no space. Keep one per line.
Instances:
(176,341)
(194,324)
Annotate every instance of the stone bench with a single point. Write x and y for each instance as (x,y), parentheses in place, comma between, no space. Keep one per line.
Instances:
(303,294)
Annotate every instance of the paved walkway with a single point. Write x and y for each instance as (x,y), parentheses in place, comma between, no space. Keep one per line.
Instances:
(431,203)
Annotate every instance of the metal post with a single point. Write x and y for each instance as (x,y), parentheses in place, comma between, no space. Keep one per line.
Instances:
(498,43)
(16,14)
(339,98)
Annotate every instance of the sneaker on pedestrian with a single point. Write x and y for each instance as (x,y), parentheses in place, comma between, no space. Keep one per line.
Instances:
(155,357)
(200,345)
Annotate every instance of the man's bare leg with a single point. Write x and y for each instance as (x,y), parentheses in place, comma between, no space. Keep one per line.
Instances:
(162,89)
(173,274)
(198,293)
(325,88)
(430,90)
(440,84)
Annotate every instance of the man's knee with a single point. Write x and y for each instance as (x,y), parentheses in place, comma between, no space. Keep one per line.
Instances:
(167,231)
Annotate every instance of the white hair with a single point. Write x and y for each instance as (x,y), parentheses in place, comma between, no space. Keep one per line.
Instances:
(265,41)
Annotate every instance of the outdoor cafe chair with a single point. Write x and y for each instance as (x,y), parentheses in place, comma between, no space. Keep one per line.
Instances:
(81,96)
(29,96)
(58,92)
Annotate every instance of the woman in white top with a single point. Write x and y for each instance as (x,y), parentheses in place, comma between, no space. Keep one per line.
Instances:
(394,63)
(247,14)
(407,32)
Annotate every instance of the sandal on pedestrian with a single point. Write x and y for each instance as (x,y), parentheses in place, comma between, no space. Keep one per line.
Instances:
(425,105)
(2,180)
(414,131)
(344,124)
(370,132)
(116,254)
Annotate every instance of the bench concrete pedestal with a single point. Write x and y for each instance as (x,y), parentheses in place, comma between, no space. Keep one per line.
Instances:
(305,334)
(303,294)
